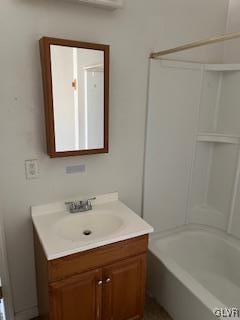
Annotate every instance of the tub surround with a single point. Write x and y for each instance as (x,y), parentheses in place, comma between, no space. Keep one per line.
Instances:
(50,221)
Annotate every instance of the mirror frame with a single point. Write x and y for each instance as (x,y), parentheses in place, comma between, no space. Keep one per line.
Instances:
(45,44)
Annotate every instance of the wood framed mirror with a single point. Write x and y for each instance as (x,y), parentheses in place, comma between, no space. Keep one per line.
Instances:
(76,96)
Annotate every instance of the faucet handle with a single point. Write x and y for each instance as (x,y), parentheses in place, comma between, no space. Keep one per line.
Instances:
(71,205)
(79,205)
(69,202)
(90,199)
(80,201)
(89,203)
(93,198)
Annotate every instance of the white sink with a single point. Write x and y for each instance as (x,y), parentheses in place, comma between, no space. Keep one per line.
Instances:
(88,226)
(62,233)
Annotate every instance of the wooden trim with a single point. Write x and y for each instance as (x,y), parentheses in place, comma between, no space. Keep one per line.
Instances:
(45,44)
(48,98)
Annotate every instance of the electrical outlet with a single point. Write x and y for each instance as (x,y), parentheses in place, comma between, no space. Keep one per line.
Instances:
(32,169)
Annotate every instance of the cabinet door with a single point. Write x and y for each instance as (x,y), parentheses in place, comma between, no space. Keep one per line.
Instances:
(124,289)
(77,298)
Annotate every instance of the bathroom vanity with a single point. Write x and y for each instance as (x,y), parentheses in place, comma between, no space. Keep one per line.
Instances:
(94,275)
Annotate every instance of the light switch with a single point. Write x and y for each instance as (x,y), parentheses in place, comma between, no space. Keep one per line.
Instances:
(32,169)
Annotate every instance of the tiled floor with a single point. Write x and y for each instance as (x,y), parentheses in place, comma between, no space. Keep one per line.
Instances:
(154,312)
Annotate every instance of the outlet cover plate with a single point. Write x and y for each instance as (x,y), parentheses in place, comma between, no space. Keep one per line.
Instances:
(32,169)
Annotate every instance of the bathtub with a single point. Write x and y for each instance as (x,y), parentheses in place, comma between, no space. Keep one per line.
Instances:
(194,272)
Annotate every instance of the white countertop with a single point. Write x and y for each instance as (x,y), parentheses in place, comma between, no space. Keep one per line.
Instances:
(46,218)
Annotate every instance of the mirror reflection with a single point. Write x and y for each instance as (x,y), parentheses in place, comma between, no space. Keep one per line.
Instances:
(78,97)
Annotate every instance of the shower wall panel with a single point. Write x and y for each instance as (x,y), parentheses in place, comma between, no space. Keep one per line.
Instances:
(174,94)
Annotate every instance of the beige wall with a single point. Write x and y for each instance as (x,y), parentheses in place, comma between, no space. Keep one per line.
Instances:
(142,26)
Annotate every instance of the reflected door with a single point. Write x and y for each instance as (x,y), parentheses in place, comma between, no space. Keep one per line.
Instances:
(62,60)
(94,108)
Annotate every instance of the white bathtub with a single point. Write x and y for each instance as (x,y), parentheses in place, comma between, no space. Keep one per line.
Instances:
(194,270)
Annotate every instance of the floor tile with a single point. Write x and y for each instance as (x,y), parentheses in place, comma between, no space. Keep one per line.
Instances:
(153,311)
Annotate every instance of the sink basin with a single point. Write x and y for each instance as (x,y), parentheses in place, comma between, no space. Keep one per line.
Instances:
(62,234)
(88,226)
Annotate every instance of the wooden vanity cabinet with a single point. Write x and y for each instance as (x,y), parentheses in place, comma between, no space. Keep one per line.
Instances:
(123,295)
(106,283)
(78,297)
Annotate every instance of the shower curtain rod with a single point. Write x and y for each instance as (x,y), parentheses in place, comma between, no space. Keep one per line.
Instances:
(196,44)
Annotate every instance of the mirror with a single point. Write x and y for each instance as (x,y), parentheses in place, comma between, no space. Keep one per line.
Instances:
(76,85)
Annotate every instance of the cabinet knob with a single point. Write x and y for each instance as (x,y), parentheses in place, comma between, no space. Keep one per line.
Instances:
(108,280)
(100,282)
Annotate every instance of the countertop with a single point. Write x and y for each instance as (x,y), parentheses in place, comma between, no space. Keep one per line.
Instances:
(46,218)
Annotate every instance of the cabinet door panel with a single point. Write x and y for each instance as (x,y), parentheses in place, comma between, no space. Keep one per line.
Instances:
(77,298)
(123,294)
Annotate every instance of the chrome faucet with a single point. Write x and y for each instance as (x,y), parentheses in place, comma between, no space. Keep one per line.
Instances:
(80,206)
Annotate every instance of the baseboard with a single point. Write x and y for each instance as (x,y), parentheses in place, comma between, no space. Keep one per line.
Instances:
(27,314)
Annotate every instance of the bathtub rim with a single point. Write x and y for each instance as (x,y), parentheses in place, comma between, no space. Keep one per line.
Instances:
(224,236)
(193,285)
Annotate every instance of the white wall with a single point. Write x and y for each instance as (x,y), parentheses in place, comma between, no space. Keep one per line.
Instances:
(232,55)
(142,26)
(174,98)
